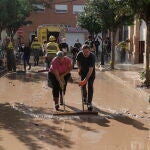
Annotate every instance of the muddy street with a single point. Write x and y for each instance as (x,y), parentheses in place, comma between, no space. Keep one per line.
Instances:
(27,121)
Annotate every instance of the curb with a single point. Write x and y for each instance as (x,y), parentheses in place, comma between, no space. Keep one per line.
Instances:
(144,95)
(3,72)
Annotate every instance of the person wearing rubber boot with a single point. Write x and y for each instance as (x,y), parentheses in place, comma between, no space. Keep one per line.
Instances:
(59,74)
(86,69)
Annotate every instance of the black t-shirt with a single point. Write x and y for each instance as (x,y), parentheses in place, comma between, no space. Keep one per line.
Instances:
(63,45)
(74,50)
(97,43)
(86,63)
(26,50)
(77,45)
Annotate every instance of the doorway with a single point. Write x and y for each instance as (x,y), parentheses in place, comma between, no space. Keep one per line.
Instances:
(141,51)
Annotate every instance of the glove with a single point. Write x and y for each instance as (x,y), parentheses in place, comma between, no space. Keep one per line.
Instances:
(82,83)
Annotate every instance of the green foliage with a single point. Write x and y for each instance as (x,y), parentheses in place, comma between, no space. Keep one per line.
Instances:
(105,14)
(141,8)
(89,20)
(114,13)
(142,75)
(14,12)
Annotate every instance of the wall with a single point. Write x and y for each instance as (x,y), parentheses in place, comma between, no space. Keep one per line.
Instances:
(49,16)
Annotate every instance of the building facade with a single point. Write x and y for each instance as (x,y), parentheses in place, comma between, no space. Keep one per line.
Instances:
(63,13)
(137,36)
(136,33)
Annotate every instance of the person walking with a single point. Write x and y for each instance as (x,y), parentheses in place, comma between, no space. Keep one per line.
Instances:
(50,51)
(26,56)
(59,74)
(36,48)
(86,69)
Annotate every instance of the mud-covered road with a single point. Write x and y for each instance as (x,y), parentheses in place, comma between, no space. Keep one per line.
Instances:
(27,121)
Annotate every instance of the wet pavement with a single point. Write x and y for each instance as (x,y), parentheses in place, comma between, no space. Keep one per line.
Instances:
(129,75)
(27,121)
(2,71)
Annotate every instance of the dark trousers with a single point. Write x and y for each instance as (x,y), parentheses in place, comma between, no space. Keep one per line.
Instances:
(97,52)
(11,61)
(49,59)
(56,89)
(87,90)
(36,53)
(123,55)
(26,61)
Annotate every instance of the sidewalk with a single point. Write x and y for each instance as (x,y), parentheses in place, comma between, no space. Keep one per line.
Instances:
(128,75)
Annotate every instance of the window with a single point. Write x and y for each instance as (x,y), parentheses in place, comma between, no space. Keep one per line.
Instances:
(38,7)
(61,8)
(78,9)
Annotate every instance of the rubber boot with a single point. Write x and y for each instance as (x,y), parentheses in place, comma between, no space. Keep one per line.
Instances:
(90,107)
(56,99)
(61,100)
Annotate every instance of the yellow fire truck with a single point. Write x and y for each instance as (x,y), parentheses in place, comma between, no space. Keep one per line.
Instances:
(44,31)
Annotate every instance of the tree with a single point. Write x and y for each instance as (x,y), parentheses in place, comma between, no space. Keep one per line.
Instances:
(141,9)
(113,14)
(14,13)
(88,19)
(107,15)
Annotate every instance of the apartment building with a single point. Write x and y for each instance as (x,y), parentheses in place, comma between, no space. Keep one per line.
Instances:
(63,13)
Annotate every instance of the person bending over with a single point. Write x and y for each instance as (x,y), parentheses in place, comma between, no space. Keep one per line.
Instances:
(59,74)
(86,69)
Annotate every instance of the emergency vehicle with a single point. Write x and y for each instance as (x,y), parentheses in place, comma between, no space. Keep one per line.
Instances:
(45,31)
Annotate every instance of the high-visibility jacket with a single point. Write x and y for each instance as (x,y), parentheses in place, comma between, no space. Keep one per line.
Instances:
(52,48)
(10,46)
(36,45)
(123,45)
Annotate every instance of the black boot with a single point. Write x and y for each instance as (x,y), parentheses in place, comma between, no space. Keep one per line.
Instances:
(56,103)
(90,107)
(29,67)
